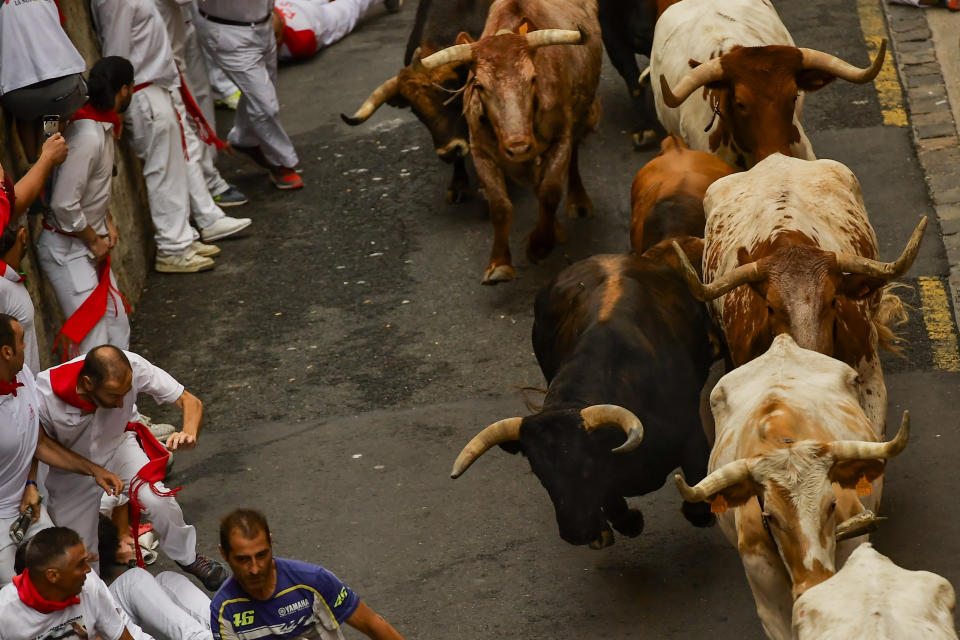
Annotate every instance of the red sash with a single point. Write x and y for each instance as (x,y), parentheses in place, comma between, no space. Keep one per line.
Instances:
(207,134)
(86,317)
(150,474)
(63,381)
(89,112)
(32,598)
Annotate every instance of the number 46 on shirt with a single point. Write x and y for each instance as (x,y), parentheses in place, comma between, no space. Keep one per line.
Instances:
(243,618)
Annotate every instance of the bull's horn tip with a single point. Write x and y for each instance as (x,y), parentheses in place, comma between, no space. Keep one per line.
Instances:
(349,119)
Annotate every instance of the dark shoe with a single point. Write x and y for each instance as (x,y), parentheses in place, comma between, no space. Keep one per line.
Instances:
(232,197)
(393,5)
(209,572)
(255,154)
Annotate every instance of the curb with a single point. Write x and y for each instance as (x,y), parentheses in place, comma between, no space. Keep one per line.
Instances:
(935,134)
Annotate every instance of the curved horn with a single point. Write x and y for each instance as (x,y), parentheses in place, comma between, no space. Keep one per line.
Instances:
(743,274)
(726,476)
(603,414)
(884,270)
(543,37)
(380,95)
(697,77)
(858,450)
(502,431)
(458,53)
(813,59)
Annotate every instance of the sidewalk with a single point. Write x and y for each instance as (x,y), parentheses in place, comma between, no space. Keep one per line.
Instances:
(926,43)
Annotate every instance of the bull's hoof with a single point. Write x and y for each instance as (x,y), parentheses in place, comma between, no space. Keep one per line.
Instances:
(579,209)
(604,541)
(698,514)
(631,524)
(498,273)
(538,249)
(643,140)
(458,195)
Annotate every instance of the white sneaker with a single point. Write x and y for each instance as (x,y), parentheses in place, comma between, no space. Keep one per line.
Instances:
(186,262)
(160,430)
(205,250)
(224,227)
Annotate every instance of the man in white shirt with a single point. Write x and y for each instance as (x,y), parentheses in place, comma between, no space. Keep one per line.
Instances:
(14,298)
(303,27)
(87,405)
(57,596)
(21,439)
(133,29)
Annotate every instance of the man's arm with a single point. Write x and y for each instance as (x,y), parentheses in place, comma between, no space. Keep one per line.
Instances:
(366,621)
(28,187)
(192,410)
(31,497)
(56,455)
(72,182)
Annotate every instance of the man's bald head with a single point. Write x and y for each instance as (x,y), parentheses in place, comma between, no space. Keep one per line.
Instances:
(106,376)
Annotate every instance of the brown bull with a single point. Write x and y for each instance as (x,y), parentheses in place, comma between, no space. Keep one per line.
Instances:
(528,105)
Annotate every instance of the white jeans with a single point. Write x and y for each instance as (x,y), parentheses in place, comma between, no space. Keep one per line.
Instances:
(64,261)
(168,607)
(332,21)
(248,55)
(152,120)
(75,503)
(8,548)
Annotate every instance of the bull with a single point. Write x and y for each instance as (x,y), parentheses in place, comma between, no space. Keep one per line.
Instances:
(433,95)
(528,105)
(794,455)
(789,249)
(752,76)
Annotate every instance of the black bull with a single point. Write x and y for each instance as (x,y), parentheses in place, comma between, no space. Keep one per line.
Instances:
(612,330)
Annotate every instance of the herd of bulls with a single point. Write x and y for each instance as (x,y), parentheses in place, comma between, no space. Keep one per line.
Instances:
(746,250)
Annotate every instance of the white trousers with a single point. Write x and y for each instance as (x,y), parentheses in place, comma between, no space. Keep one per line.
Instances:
(332,21)
(75,503)
(152,120)
(168,607)
(248,55)
(64,261)
(8,548)
(202,207)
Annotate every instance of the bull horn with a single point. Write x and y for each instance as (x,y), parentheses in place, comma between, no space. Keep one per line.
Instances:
(743,274)
(503,32)
(861,524)
(884,270)
(456,54)
(380,95)
(700,75)
(544,37)
(603,414)
(859,450)
(726,476)
(813,59)
(506,430)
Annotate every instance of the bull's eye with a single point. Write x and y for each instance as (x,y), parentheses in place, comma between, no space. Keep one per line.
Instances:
(742,108)
(833,303)
(769,310)
(478,87)
(832,508)
(533,80)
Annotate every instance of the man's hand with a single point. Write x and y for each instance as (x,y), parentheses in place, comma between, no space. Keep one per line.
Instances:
(31,498)
(108,481)
(54,149)
(181,440)
(100,249)
(112,234)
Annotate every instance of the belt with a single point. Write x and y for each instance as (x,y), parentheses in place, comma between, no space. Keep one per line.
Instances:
(235,23)
(49,227)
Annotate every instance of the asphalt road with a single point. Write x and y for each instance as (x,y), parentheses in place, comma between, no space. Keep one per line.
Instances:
(345,351)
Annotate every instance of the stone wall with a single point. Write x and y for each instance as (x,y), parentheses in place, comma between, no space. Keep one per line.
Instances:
(133,255)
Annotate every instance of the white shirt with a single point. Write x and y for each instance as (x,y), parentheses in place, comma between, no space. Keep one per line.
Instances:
(97,435)
(239,10)
(33,45)
(15,301)
(134,30)
(81,185)
(19,431)
(97,615)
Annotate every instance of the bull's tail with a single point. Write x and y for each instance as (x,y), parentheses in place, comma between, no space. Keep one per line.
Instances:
(891,313)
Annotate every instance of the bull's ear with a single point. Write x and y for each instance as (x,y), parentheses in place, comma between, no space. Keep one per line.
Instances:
(813,79)
(734,496)
(398,101)
(464,38)
(847,473)
(857,287)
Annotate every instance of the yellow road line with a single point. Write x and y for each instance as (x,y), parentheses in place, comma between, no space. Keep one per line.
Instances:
(939,324)
(887,84)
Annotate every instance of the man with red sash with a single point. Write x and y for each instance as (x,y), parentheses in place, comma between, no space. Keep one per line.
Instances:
(57,596)
(87,405)
(303,27)
(21,441)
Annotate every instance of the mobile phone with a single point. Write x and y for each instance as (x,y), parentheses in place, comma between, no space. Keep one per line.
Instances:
(51,125)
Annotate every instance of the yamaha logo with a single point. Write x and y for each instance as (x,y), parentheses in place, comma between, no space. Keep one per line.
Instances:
(293,608)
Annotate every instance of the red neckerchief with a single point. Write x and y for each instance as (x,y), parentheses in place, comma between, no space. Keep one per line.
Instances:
(150,474)
(32,598)
(8,272)
(88,314)
(89,112)
(7,388)
(63,380)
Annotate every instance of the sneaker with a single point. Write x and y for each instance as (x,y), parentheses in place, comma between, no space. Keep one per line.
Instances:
(160,430)
(255,154)
(224,227)
(232,197)
(284,178)
(229,102)
(209,572)
(393,5)
(205,250)
(186,262)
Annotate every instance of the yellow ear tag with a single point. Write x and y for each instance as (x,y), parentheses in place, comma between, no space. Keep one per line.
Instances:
(523,29)
(864,488)
(718,504)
